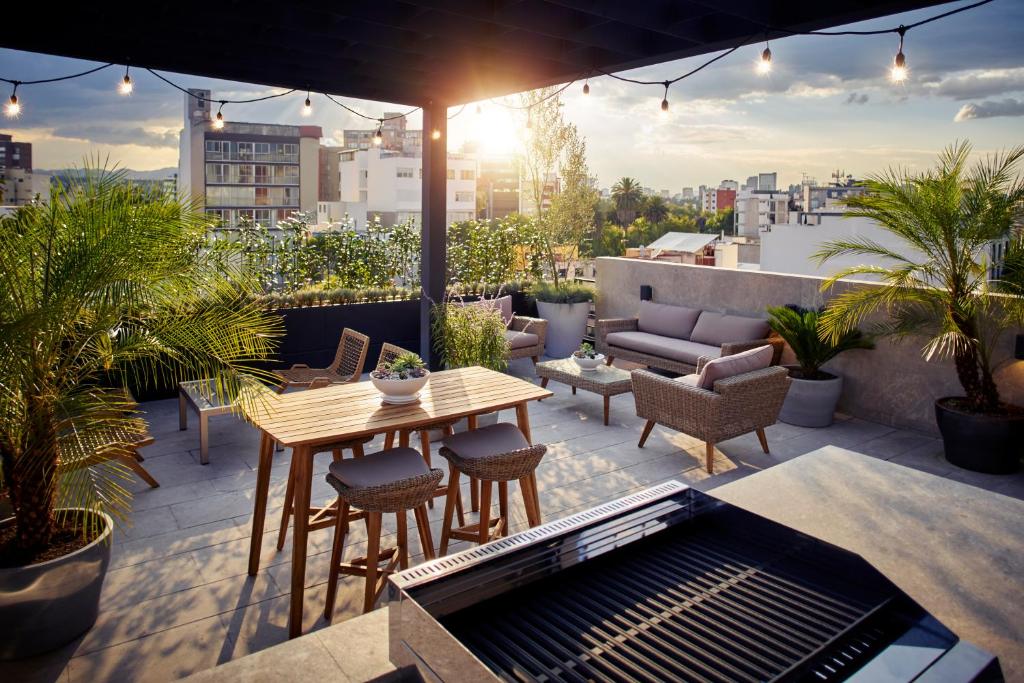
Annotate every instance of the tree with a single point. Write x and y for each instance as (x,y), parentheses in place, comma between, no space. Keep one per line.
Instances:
(653,209)
(571,218)
(627,195)
(544,144)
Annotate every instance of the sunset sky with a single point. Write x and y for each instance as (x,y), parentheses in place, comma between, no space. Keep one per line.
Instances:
(826,105)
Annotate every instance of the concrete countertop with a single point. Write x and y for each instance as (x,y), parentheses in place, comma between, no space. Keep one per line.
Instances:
(956,549)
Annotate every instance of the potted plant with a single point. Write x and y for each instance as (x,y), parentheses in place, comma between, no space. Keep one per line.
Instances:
(566,307)
(942,287)
(587,358)
(104,284)
(401,380)
(813,393)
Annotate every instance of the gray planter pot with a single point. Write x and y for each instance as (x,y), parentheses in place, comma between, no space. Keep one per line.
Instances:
(46,605)
(567,323)
(811,403)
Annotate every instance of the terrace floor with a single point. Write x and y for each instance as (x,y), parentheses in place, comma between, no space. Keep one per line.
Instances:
(177,598)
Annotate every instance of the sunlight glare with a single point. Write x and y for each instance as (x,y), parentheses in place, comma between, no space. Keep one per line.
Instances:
(495,130)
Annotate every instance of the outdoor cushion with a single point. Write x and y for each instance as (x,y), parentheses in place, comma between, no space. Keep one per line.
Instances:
(378,469)
(736,364)
(668,321)
(665,347)
(502,304)
(503,437)
(520,340)
(717,329)
(693,379)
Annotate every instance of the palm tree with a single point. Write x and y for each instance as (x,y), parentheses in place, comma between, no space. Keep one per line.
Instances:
(654,209)
(627,195)
(949,217)
(108,285)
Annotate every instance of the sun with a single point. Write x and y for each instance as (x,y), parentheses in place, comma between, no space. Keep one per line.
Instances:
(496,130)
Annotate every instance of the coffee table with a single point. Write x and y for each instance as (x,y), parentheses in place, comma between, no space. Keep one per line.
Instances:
(605,380)
(203,398)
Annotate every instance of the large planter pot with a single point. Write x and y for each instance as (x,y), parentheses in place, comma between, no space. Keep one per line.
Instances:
(400,391)
(982,443)
(46,605)
(811,402)
(567,323)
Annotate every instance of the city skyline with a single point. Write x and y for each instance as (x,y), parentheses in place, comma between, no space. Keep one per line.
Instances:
(826,105)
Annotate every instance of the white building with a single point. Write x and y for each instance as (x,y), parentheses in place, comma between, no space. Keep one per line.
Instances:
(758,211)
(767,182)
(376,182)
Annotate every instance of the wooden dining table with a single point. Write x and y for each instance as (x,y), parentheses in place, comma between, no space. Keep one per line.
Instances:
(306,421)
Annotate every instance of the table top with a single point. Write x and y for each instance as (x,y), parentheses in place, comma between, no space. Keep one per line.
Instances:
(203,395)
(566,370)
(955,549)
(348,411)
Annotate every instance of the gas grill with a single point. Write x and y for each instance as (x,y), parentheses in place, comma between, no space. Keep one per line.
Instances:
(669,584)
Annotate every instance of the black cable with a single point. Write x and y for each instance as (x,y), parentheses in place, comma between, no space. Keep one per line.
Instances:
(58,78)
(378,119)
(461,109)
(219,101)
(556,93)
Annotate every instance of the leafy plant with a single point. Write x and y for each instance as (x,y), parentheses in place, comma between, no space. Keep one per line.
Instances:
(466,334)
(941,287)
(586,350)
(108,285)
(566,293)
(800,328)
(404,366)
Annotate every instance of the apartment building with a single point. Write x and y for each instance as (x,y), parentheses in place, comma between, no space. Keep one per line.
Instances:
(498,187)
(759,210)
(389,184)
(329,176)
(719,199)
(18,184)
(258,171)
(395,136)
(767,182)
(829,197)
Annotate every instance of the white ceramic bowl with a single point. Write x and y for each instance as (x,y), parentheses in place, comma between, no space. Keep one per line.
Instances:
(589,364)
(400,390)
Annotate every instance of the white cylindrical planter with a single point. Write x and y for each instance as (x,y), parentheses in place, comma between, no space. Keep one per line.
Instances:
(567,323)
(811,402)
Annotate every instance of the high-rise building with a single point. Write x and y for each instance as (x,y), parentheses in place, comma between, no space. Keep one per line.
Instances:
(18,184)
(498,186)
(395,137)
(751,183)
(329,178)
(767,182)
(258,171)
(729,185)
(687,194)
(15,154)
(758,210)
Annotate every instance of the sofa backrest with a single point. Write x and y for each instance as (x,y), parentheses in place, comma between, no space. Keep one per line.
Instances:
(666,320)
(716,329)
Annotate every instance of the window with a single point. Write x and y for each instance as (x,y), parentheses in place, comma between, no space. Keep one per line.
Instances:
(217,149)
(464,197)
(245,150)
(403,172)
(467,174)
(451,174)
(262,216)
(262,173)
(217,173)
(262,151)
(244,174)
(262,196)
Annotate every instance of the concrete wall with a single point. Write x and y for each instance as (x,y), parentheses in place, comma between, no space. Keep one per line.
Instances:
(891,384)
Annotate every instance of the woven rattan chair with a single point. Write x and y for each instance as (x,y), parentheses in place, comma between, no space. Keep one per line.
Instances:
(347,365)
(737,405)
(391,481)
(523,324)
(495,454)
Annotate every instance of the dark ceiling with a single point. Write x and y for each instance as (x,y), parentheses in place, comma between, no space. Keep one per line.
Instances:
(412,51)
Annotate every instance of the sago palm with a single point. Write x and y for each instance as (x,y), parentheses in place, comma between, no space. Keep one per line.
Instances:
(942,285)
(799,328)
(103,286)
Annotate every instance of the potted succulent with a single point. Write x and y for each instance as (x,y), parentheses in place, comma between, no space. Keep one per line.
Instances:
(401,380)
(813,393)
(104,284)
(950,286)
(587,358)
(566,307)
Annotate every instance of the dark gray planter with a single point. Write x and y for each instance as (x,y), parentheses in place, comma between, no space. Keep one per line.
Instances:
(567,323)
(811,403)
(992,444)
(46,605)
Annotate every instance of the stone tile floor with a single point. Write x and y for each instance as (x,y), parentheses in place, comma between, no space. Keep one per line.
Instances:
(177,598)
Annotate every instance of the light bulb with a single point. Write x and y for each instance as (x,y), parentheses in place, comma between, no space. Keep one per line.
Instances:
(765,65)
(307,108)
(664,105)
(435,134)
(898,74)
(126,86)
(378,138)
(218,122)
(12,109)
(586,88)
(479,110)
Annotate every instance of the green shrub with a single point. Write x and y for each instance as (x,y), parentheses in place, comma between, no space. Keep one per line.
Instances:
(564,293)
(800,327)
(466,335)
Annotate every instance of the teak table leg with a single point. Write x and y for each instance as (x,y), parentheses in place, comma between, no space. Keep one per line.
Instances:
(523,420)
(259,512)
(303,462)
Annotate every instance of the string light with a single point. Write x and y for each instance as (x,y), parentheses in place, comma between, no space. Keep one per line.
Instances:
(898,74)
(479,110)
(378,137)
(664,100)
(13,107)
(307,108)
(126,86)
(218,121)
(586,87)
(765,65)
(529,119)
(435,134)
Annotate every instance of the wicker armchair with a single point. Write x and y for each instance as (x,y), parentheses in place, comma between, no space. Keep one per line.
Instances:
(537,326)
(608,325)
(346,367)
(738,405)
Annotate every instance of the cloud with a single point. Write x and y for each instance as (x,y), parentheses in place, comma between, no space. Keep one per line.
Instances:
(135,135)
(980,83)
(855,98)
(989,110)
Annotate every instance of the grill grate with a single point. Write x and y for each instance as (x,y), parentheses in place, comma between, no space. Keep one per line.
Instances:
(717,599)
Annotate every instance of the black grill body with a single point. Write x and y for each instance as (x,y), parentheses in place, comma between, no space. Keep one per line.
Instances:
(669,584)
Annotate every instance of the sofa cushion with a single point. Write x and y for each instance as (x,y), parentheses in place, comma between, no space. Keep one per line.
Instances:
(494,439)
(378,469)
(502,304)
(679,350)
(736,364)
(520,340)
(693,379)
(717,329)
(668,321)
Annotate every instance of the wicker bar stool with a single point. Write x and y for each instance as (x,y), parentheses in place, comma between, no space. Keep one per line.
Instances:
(395,480)
(496,454)
(320,517)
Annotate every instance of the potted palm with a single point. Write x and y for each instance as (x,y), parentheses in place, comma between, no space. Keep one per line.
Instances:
(566,307)
(105,285)
(814,393)
(944,288)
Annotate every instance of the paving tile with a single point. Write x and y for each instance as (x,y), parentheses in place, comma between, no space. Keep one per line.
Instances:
(146,523)
(133,584)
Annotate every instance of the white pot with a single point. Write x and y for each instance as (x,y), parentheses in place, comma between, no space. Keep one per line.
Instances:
(589,364)
(567,323)
(400,390)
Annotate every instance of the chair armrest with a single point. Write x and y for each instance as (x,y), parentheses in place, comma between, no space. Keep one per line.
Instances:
(671,403)
(606,325)
(755,397)
(702,361)
(537,326)
(777,344)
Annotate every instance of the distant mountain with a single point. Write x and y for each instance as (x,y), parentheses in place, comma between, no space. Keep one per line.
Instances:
(158,174)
